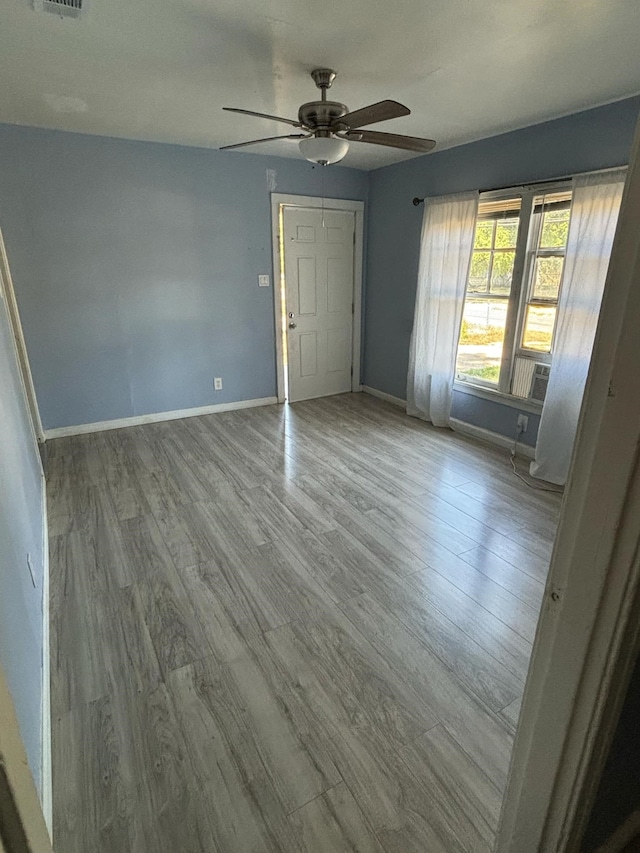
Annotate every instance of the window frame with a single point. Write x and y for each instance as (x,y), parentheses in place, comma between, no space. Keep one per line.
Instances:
(533,253)
(518,298)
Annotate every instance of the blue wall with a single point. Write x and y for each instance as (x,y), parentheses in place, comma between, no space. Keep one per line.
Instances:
(21,533)
(136,263)
(593,139)
(136,269)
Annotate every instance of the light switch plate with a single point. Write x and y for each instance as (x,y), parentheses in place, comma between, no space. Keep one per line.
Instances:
(263,281)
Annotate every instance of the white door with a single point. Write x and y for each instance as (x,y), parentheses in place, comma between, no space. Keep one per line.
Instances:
(319,277)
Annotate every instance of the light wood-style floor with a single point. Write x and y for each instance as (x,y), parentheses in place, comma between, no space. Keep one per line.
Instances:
(297,628)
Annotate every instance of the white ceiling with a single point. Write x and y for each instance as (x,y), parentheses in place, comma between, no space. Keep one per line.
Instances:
(163,69)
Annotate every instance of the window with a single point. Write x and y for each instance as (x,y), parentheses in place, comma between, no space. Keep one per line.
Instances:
(512,293)
(548,241)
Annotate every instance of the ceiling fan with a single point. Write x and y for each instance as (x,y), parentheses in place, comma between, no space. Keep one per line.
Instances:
(329,127)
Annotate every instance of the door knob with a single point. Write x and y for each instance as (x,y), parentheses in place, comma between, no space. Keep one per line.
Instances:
(292,325)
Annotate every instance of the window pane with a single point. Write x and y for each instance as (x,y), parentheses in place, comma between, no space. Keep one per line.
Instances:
(506,234)
(484,235)
(502,272)
(479,274)
(555,228)
(548,275)
(481,338)
(538,327)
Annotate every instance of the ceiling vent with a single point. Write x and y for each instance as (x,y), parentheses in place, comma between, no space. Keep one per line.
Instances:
(64,8)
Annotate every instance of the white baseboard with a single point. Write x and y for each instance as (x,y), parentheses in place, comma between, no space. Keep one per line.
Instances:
(138,420)
(46,779)
(382,395)
(491,437)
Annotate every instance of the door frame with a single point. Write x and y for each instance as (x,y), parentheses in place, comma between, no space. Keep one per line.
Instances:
(279,200)
(588,635)
(7,290)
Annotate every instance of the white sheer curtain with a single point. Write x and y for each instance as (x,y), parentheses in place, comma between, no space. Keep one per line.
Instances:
(594,214)
(445,254)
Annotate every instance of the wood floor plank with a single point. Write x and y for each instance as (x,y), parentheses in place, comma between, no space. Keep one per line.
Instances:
(272,749)
(500,640)
(442,688)
(287,507)
(511,713)
(281,587)
(186,534)
(491,596)
(91,814)
(465,803)
(234,465)
(177,636)
(77,672)
(364,689)
(333,823)
(467,513)
(343,565)
(485,675)
(519,556)
(415,525)
(359,527)
(369,763)
(120,462)
(523,586)
(510,497)
(245,812)
(290,628)
(486,737)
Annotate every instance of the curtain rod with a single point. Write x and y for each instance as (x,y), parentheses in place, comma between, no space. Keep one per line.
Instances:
(417,201)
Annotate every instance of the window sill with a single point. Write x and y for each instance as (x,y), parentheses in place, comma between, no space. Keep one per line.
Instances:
(519,403)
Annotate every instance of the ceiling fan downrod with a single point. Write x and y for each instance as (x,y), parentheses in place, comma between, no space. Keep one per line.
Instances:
(323,78)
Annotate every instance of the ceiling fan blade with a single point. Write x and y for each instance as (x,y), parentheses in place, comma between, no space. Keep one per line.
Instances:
(381,111)
(393,140)
(265,139)
(263,115)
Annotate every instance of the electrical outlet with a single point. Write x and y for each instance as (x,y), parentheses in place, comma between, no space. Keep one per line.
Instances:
(263,281)
(523,423)
(217,383)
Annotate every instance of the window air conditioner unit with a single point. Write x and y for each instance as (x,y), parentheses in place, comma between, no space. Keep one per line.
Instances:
(539,382)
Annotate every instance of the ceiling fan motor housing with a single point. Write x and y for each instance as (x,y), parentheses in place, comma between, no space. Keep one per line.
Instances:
(321,114)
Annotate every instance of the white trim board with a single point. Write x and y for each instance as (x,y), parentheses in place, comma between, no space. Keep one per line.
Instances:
(45,746)
(357,207)
(490,437)
(382,395)
(138,420)
(7,289)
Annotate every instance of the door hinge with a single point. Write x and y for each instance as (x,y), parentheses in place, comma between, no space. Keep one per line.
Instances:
(352,372)
(354,238)
(353,307)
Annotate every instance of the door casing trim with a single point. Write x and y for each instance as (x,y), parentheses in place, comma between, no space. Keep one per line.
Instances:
(280,199)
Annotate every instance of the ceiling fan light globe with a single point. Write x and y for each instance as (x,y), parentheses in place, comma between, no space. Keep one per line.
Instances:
(324,149)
